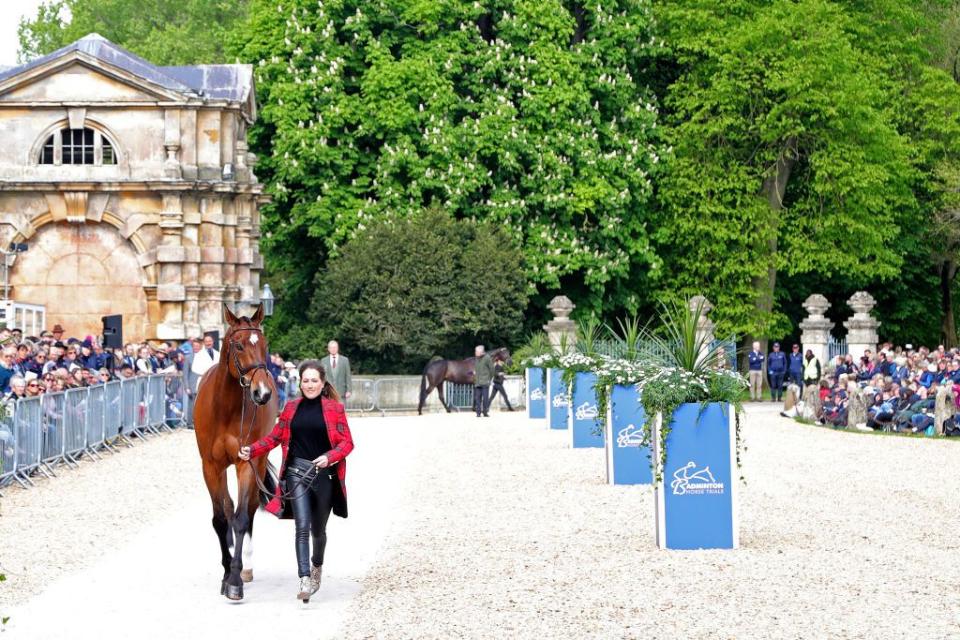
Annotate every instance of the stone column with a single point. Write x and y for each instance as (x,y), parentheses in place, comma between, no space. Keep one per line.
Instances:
(244,253)
(816,329)
(704,324)
(862,327)
(170,258)
(561,329)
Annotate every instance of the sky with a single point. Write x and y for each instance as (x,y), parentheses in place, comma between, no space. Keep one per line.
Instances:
(10,13)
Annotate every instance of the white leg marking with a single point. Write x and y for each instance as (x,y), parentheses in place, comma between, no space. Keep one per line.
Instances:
(247,551)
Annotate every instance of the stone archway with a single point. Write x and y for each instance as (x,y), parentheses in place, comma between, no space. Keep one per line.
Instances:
(82,272)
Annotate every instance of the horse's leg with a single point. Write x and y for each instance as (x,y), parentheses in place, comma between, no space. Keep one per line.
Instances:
(443,401)
(247,502)
(246,574)
(216,480)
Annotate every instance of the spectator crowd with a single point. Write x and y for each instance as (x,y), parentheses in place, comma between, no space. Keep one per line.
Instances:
(894,389)
(33,365)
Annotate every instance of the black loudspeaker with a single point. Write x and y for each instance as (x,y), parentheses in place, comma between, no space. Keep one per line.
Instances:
(112,331)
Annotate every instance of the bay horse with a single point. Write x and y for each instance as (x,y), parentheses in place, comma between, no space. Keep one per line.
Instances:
(236,405)
(439,371)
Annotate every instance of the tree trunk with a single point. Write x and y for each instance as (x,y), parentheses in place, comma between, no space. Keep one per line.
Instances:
(948,328)
(580,15)
(773,190)
(485,23)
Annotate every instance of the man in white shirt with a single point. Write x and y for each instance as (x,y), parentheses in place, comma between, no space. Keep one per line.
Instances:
(204,359)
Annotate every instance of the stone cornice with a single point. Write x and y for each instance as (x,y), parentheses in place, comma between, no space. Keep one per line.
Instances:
(240,188)
(124,104)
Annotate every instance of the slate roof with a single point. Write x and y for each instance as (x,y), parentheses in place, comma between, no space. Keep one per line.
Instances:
(215,81)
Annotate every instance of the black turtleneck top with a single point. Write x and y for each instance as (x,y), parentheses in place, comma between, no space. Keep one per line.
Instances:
(308,431)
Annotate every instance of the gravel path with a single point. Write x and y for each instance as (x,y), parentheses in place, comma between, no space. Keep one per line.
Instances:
(466,528)
(119,552)
(511,534)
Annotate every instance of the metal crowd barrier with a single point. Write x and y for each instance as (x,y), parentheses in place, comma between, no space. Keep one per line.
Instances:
(43,432)
(402,393)
(363,397)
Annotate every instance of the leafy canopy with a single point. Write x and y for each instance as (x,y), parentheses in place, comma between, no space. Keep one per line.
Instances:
(405,290)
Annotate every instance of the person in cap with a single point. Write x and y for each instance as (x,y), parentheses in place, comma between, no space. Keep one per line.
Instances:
(87,358)
(57,332)
(776,371)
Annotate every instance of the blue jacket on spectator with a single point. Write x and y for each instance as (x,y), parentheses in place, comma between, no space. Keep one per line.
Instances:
(756,360)
(777,362)
(927,378)
(91,361)
(5,375)
(796,362)
(900,374)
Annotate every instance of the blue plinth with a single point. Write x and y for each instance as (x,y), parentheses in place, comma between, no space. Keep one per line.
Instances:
(536,393)
(628,461)
(696,499)
(557,405)
(585,430)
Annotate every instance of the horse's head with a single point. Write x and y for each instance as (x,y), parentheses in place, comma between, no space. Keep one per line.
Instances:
(245,354)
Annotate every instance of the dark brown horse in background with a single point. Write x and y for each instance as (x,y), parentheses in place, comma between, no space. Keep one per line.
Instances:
(236,405)
(457,371)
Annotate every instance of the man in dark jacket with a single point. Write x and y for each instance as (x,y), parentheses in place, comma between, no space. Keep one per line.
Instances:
(483,376)
(498,378)
(795,366)
(776,370)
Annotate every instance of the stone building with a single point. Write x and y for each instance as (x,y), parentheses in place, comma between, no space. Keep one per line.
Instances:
(133,188)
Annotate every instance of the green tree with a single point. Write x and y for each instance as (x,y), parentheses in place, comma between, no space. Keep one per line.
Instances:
(163,32)
(533,116)
(404,290)
(788,159)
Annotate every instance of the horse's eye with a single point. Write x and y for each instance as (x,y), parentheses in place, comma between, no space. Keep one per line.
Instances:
(238,346)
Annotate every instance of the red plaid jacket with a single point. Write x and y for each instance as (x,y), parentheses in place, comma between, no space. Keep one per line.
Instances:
(340,440)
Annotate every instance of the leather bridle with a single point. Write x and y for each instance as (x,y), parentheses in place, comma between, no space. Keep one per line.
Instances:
(235,348)
(247,431)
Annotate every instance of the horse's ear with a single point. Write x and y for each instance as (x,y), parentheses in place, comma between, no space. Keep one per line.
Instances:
(228,316)
(257,315)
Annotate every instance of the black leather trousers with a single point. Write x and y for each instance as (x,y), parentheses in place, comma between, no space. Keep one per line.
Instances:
(310,499)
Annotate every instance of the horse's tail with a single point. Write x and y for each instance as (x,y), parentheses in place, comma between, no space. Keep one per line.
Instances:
(423,383)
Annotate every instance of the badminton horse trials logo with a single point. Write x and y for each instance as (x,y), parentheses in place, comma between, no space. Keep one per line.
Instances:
(687,480)
(630,436)
(587,411)
(559,400)
(537,394)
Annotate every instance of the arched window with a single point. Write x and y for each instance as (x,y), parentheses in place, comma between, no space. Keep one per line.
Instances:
(78,146)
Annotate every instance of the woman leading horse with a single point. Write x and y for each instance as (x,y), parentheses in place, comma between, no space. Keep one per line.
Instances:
(236,405)
(315,440)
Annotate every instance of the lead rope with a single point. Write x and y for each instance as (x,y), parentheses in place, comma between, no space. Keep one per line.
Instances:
(307,479)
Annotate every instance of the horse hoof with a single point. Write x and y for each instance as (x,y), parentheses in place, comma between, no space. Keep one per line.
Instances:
(306,601)
(232,592)
(247,575)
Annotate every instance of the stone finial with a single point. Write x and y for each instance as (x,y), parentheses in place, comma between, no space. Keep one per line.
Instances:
(702,303)
(562,307)
(862,303)
(562,331)
(816,305)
